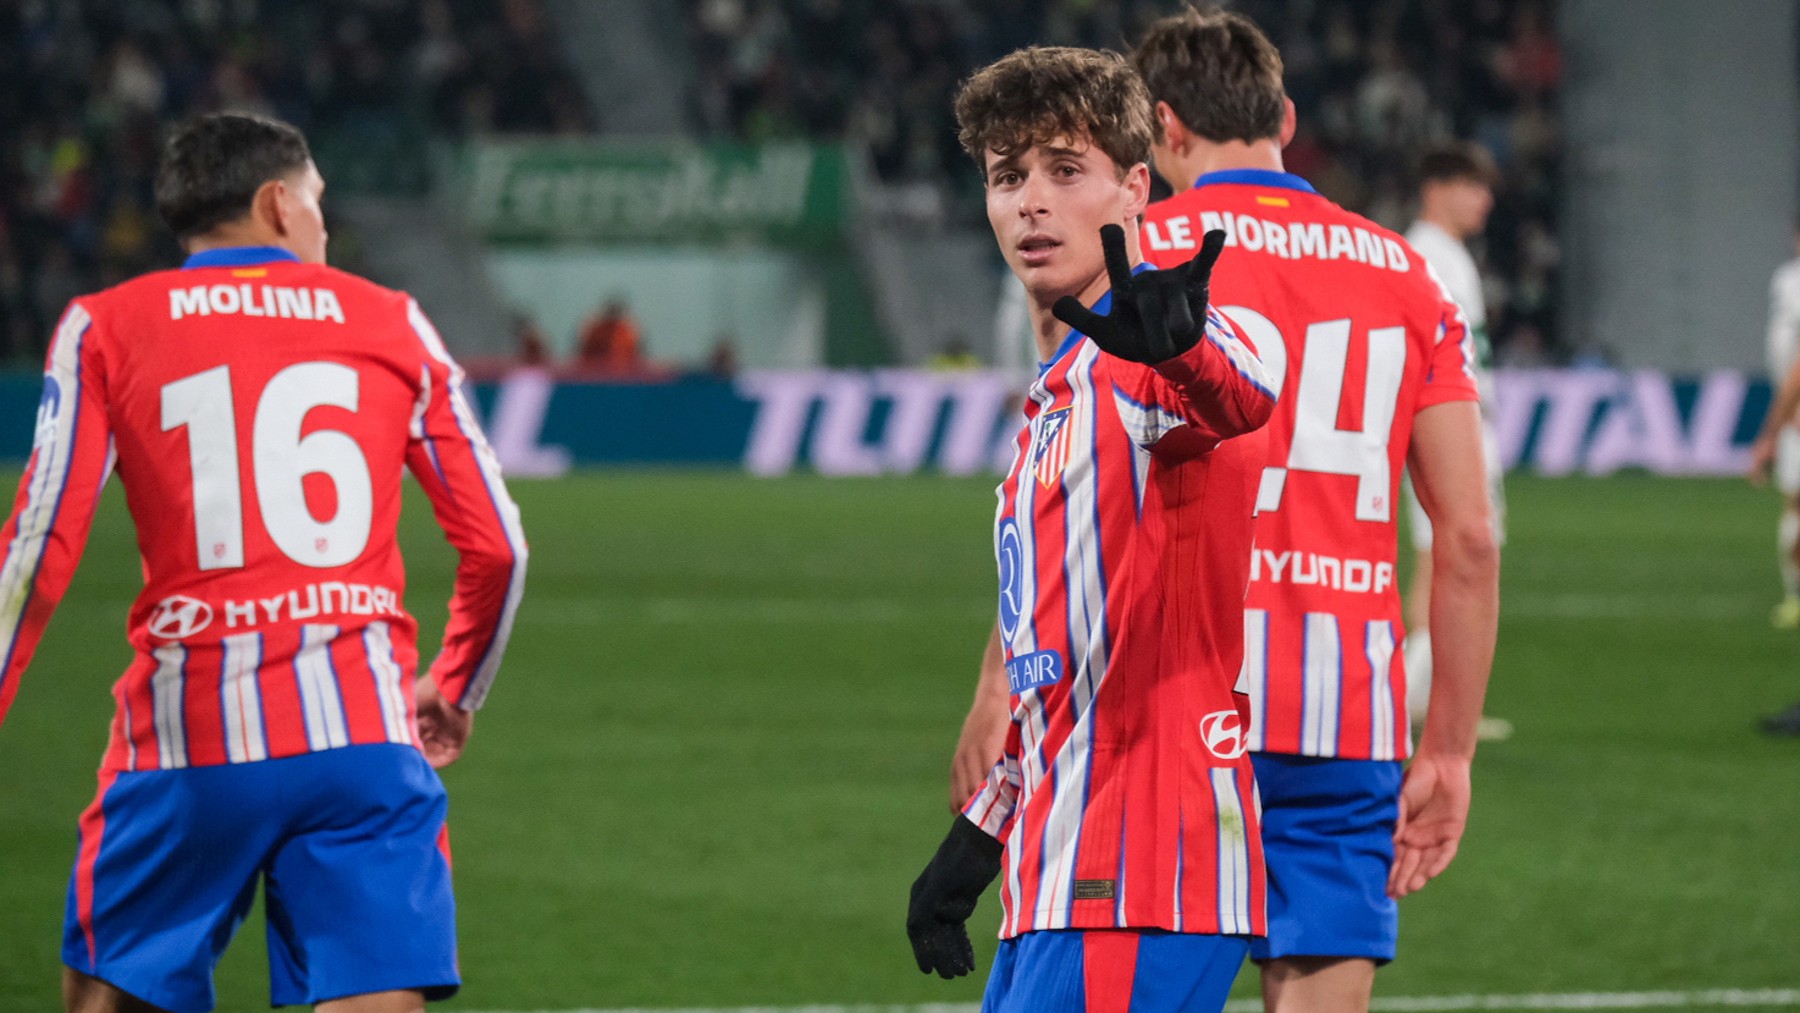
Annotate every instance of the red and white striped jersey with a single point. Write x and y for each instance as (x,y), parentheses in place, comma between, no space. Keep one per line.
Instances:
(1124,794)
(259,412)
(1359,336)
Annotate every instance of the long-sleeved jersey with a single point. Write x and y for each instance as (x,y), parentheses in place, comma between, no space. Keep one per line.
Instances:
(1124,795)
(259,412)
(1359,336)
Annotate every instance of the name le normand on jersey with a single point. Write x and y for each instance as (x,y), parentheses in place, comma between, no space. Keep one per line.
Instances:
(1291,240)
(280,301)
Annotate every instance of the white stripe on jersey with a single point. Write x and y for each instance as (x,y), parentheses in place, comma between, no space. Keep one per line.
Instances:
(53,448)
(167,687)
(1253,677)
(389,688)
(1145,424)
(1379,646)
(483,677)
(1239,355)
(1087,646)
(1234,855)
(240,697)
(1322,666)
(320,702)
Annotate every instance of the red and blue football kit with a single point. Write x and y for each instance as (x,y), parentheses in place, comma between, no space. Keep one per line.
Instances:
(259,413)
(1123,795)
(1359,337)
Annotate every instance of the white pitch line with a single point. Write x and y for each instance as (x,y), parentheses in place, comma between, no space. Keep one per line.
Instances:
(1392,1004)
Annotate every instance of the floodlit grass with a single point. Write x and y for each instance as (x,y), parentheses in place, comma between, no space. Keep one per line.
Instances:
(717,753)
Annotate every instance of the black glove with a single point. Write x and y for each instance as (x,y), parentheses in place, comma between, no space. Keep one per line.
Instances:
(1156,315)
(944,896)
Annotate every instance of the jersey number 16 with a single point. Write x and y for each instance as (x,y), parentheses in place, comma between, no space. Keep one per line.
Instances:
(281,458)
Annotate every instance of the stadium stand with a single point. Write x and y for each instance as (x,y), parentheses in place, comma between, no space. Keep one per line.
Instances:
(94,83)
(1374,82)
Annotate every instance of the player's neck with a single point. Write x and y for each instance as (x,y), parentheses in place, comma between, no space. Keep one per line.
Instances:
(1443,223)
(250,233)
(1049,332)
(1207,156)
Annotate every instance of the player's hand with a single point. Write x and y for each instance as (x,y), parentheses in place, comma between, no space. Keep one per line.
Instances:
(1155,315)
(1762,459)
(945,895)
(443,726)
(979,747)
(1434,810)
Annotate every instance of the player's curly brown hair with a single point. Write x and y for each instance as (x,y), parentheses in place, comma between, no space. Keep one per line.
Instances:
(1218,71)
(1039,94)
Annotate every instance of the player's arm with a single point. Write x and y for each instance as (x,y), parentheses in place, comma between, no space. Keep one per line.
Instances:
(1450,479)
(461,476)
(1161,318)
(983,736)
(1781,414)
(71,456)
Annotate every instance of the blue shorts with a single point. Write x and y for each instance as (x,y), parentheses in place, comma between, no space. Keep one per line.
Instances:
(351,846)
(1328,839)
(1113,971)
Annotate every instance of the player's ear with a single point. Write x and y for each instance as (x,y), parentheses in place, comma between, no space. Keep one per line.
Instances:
(268,208)
(1174,132)
(1290,120)
(1137,192)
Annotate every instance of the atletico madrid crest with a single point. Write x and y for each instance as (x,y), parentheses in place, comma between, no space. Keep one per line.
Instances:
(1052,450)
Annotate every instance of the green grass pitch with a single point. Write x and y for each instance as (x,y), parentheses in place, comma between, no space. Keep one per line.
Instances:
(716,756)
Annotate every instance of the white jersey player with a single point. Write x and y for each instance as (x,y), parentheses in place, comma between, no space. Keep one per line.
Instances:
(1456,192)
(1779,445)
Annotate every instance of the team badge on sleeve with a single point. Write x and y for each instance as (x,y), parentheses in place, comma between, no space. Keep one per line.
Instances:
(1052,449)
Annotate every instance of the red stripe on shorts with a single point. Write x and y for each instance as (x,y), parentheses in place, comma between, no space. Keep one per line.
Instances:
(93,827)
(1109,969)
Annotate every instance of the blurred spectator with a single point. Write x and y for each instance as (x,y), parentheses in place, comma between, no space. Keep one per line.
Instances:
(722,361)
(528,342)
(955,356)
(609,342)
(88,86)
(1375,82)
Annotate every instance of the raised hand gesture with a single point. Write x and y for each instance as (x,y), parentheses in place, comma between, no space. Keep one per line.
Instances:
(1155,315)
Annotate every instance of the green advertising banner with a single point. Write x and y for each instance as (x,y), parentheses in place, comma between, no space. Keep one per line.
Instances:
(573,191)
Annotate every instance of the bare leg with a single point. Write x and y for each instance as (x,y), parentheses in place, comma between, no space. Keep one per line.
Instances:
(84,993)
(1317,985)
(376,1002)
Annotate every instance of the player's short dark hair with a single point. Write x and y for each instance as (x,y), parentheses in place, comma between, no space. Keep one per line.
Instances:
(1442,163)
(1218,71)
(213,165)
(1038,94)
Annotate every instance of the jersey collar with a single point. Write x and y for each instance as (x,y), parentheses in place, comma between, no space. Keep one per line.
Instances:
(1102,306)
(238,256)
(1257,177)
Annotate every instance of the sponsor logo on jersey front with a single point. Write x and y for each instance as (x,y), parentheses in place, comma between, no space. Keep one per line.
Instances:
(1012,577)
(1052,448)
(1223,733)
(1033,671)
(178,617)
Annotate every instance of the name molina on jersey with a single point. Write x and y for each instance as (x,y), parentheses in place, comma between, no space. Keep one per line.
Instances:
(256,301)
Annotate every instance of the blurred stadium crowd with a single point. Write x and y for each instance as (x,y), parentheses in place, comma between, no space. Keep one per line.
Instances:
(1374,80)
(88,85)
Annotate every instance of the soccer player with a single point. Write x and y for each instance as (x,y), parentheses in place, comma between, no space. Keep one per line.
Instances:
(1779,442)
(1375,370)
(1122,800)
(1456,192)
(259,407)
